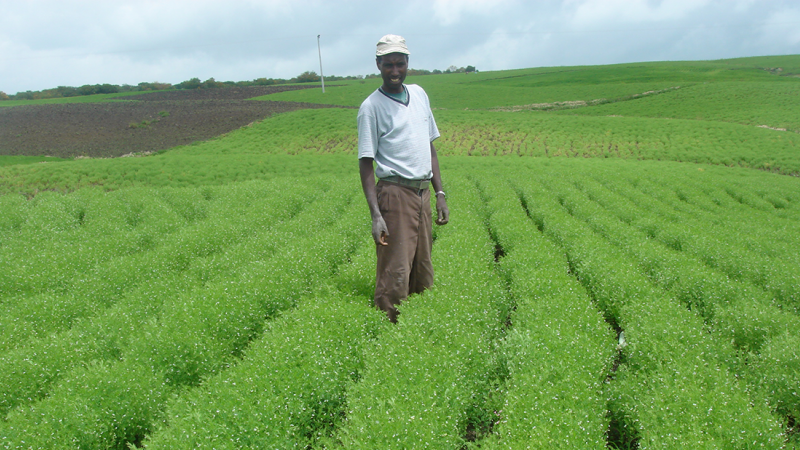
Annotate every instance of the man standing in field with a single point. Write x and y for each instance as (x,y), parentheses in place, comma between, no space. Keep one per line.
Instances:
(396,131)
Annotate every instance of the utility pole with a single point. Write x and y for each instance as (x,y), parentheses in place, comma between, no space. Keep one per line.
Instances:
(321,76)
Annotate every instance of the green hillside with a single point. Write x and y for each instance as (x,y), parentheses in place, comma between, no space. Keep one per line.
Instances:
(620,271)
(562,84)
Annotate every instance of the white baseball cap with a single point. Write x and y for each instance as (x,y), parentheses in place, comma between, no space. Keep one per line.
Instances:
(391,43)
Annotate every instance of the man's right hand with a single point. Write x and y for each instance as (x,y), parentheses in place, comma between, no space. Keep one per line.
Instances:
(379,231)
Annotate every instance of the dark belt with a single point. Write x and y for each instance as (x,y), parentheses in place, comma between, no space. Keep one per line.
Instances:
(419,185)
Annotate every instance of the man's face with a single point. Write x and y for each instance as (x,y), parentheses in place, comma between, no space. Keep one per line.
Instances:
(393,69)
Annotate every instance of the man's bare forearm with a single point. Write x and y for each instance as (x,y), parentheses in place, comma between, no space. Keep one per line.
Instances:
(379,230)
(436,180)
(368,185)
(442,211)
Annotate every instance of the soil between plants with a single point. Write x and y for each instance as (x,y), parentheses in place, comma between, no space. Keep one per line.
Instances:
(136,124)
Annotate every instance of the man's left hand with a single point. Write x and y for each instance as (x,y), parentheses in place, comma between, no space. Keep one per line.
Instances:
(441,209)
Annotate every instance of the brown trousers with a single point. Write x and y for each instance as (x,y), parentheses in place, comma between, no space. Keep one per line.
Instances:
(404,266)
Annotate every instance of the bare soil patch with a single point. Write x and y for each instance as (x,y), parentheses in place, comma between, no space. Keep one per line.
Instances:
(571,104)
(143,123)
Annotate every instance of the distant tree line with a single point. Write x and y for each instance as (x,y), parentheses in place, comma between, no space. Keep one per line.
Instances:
(195,83)
(86,89)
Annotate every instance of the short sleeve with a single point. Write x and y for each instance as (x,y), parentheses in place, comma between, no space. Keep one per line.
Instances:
(433,129)
(367,133)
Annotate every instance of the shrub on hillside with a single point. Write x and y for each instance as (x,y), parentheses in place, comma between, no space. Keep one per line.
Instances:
(27,95)
(154,86)
(91,89)
(211,83)
(264,81)
(306,77)
(192,83)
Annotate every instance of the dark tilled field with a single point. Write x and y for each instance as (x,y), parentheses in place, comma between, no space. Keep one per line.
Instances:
(231,93)
(143,123)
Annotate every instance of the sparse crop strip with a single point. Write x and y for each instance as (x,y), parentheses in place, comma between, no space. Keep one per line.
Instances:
(772,102)
(542,134)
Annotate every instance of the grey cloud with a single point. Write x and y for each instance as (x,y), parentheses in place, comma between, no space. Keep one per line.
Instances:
(49,43)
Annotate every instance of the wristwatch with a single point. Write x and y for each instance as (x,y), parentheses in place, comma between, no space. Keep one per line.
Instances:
(441,192)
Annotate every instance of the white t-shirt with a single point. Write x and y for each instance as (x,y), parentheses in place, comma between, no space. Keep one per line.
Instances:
(396,135)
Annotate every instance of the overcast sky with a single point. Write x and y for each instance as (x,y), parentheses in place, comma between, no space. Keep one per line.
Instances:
(44,44)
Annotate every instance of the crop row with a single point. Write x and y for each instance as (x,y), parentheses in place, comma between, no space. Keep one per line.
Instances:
(743,204)
(720,238)
(193,334)
(121,240)
(289,389)
(558,351)
(95,315)
(712,294)
(734,311)
(673,389)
